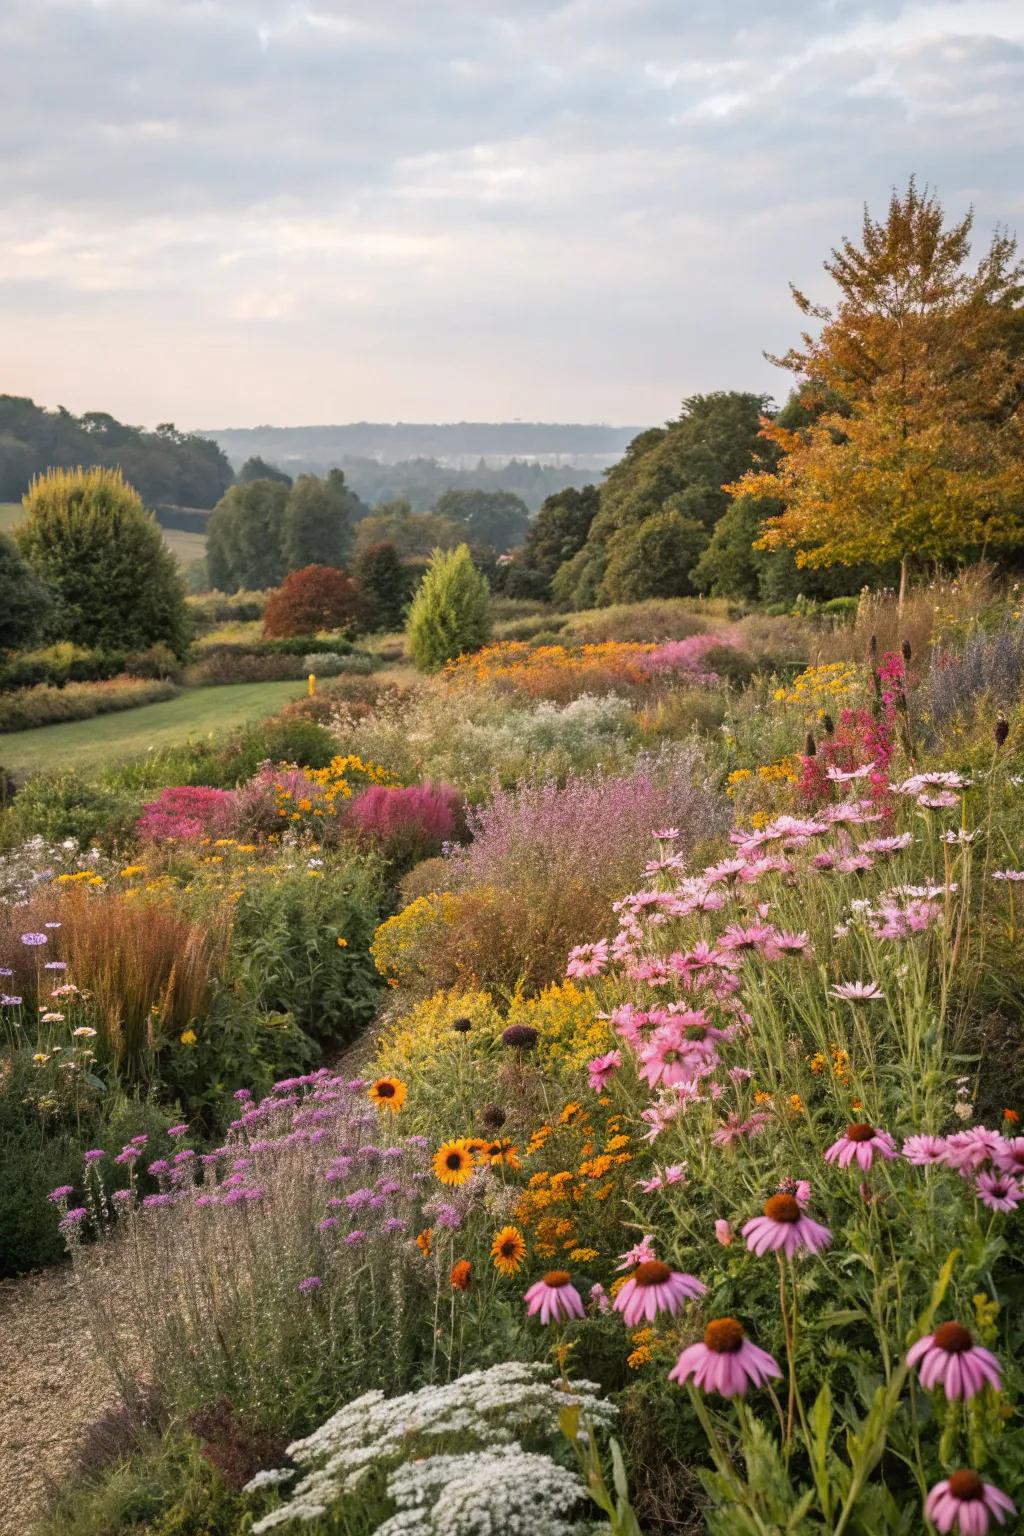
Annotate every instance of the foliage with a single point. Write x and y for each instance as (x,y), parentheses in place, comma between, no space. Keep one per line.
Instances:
(26,603)
(921,458)
(556,534)
(29,707)
(186,813)
(315,597)
(86,534)
(406,823)
(243,537)
(318,522)
(256,468)
(653,558)
(413,534)
(497,518)
(384,585)
(450,611)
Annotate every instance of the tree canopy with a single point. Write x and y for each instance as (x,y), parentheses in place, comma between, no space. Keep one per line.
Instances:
(922,456)
(495,518)
(556,534)
(262,529)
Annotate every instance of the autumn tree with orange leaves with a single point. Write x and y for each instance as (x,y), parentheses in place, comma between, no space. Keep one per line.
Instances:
(915,451)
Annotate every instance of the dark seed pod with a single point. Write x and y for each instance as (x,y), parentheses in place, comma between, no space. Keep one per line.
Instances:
(907,652)
(810,745)
(493,1117)
(462,1026)
(828,725)
(1002,730)
(522,1037)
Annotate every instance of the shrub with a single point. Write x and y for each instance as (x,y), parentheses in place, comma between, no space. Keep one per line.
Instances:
(385,584)
(31,707)
(281,739)
(228,665)
(87,535)
(26,603)
(56,806)
(187,813)
(327,664)
(450,612)
(407,823)
(657,619)
(208,609)
(315,597)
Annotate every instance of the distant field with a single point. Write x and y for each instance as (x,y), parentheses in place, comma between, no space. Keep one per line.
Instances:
(185,546)
(195,712)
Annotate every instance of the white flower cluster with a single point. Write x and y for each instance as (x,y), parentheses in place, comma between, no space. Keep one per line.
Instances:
(481,1411)
(504,1492)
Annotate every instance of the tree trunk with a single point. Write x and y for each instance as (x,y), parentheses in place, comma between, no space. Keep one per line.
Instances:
(904,572)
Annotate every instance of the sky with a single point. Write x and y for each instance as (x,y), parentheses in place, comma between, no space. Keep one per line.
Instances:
(230,212)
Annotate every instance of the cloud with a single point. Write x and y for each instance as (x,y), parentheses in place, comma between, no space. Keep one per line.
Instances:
(330,209)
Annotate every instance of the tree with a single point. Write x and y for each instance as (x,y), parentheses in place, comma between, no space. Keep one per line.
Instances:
(497,518)
(653,558)
(385,585)
(314,598)
(451,610)
(88,536)
(925,458)
(556,534)
(412,533)
(256,468)
(680,467)
(318,521)
(26,603)
(244,537)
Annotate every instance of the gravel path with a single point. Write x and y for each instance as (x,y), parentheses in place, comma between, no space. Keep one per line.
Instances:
(51,1387)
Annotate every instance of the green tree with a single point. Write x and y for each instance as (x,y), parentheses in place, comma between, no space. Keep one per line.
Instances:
(256,468)
(385,584)
(451,610)
(653,558)
(556,534)
(414,534)
(497,518)
(26,603)
(88,536)
(318,521)
(244,537)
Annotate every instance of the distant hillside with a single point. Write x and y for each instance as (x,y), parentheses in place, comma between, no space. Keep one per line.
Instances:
(459,443)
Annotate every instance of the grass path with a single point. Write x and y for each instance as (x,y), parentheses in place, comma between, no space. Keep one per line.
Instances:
(105,738)
(54,1387)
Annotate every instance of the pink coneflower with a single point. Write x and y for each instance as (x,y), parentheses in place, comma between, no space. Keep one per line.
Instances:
(734,1127)
(950,1358)
(886,845)
(1009,1156)
(861,1141)
(587,959)
(640,1253)
(727,871)
(926,1151)
(785,1228)
(602,1069)
(738,939)
(968,1151)
(963,1503)
(944,800)
(790,943)
(998,1191)
(844,776)
(725,1362)
(652,1288)
(554,1297)
(666,835)
(857,991)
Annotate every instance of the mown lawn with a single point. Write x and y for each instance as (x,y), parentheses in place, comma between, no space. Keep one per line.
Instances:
(195,712)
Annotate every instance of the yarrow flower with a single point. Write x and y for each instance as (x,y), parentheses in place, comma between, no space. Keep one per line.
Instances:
(725,1361)
(950,1358)
(862,1142)
(555,1297)
(963,1503)
(785,1227)
(652,1288)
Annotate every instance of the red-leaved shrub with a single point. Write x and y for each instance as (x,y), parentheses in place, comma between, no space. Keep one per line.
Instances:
(314,598)
(408,823)
(187,812)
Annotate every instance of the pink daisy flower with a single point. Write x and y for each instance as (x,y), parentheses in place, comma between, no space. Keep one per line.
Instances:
(1009,1156)
(554,1297)
(640,1253)
(861,1142)
(970,1150)
(950,1358)
(587,959)
(784,1227)
(926,1151)
(602,1069)
(963,1503)
(998,1191)
(725,1361)
(652,1288)
(857,991)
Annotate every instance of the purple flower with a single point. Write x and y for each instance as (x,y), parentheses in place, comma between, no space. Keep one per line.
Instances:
(355,1237)
(311,1283)
(155,1202)
(7,1001)
(94,1154)
(32,940)
(74,1217)
(55,965)
(328,1224)
(393,1224)
(242,1095)
(177,1130)
(60,1193)
(121,1195)
(447,1215)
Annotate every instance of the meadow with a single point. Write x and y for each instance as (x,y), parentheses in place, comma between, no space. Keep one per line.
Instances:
(577,1091)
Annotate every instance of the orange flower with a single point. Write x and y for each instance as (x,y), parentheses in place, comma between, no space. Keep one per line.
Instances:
(388,1093)
(1012,1116)
(508,1250)
(461,1274)
(423,1241)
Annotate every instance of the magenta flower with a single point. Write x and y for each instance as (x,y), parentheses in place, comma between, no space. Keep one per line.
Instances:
(950,1358)
(554,1297)
(970,1150)
(861,1142)
(785,1228)
(311,1283)
(640,1253)
(602,1069)
(652,1288)
(60,1193)
(177,1130)
(723,1232)
(926,1151)
(998,1191)
(1009,1156)
(725,1362)
(963,1503)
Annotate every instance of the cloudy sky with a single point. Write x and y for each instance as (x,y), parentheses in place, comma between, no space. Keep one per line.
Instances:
(225,212)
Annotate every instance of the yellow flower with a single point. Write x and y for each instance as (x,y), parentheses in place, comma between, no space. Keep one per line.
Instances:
(583,1255)
(189,1037)
(453,1162)
(341,943)
(388,1093)
(40,1057)
(508,1250)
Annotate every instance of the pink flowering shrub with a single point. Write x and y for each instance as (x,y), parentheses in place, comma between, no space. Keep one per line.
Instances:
(704,657)
(407,823)
(186,813)
(260,798)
